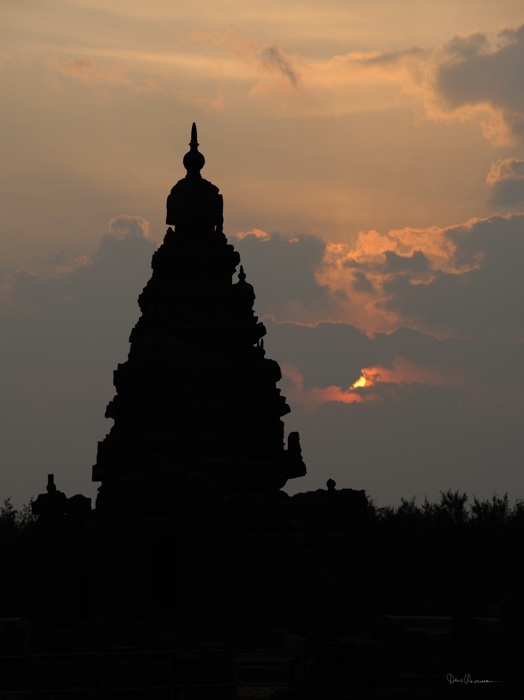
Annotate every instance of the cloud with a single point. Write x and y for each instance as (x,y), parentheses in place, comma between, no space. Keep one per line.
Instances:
(357,275)
(378,383)
(455,280)
(125,226)
(506,178)
(416,262)
(450,281)
(425,441)
(337,354)
(258,233)
(282,271)
(85,70)
(263,65)
(361,283)
(474,77)
(323,355)
(304,88)
(435,410)
(486,70)
(85,281)
(434,414)
(274,58)
(485,296)
(63,335)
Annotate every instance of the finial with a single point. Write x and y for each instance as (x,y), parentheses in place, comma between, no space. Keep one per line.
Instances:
(193,160)
(51,486)
(241,274)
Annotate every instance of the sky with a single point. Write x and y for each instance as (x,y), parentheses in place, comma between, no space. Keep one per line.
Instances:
(371,158)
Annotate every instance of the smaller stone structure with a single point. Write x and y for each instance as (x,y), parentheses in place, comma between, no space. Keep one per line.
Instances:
(54,505)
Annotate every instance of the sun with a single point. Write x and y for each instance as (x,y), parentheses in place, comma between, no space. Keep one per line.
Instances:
(362,381)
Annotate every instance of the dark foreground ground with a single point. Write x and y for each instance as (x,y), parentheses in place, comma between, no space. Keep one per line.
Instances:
(315,596)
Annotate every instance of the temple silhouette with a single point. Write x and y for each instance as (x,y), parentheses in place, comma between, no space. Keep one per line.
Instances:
(196,576)
(195,462)
(197,399)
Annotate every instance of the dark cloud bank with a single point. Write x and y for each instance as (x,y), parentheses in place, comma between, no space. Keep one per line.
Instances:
(59,353)
(58,356)
(487,299)
(506,180)
(414,438)
(486,69)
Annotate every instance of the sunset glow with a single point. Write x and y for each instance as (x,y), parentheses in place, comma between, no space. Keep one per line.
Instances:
(371,160)
(372,383)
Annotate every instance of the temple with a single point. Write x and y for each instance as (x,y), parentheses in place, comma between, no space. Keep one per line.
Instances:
(196,576)
(196,400)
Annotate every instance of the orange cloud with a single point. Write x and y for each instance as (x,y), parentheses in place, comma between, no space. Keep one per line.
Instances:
(356,273)
(368,387)
(429,279)
(88,72)
(370,246)
(270,67)
(70,267)
(85,70)
(312,398)
(462,80)
(258,233)
(441,83)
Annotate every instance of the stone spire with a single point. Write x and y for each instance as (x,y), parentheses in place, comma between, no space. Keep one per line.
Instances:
(194,203)
(193,160)
(196,398)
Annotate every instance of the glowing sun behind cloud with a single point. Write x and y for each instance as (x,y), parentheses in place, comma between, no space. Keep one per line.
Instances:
(372,379)
(363,380)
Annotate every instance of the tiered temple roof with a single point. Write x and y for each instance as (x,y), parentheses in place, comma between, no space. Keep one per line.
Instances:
(197,406)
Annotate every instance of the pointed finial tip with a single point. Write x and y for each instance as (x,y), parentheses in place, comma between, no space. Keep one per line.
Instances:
(194,160)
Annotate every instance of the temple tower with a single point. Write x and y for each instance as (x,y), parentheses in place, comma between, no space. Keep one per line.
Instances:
(196,402)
